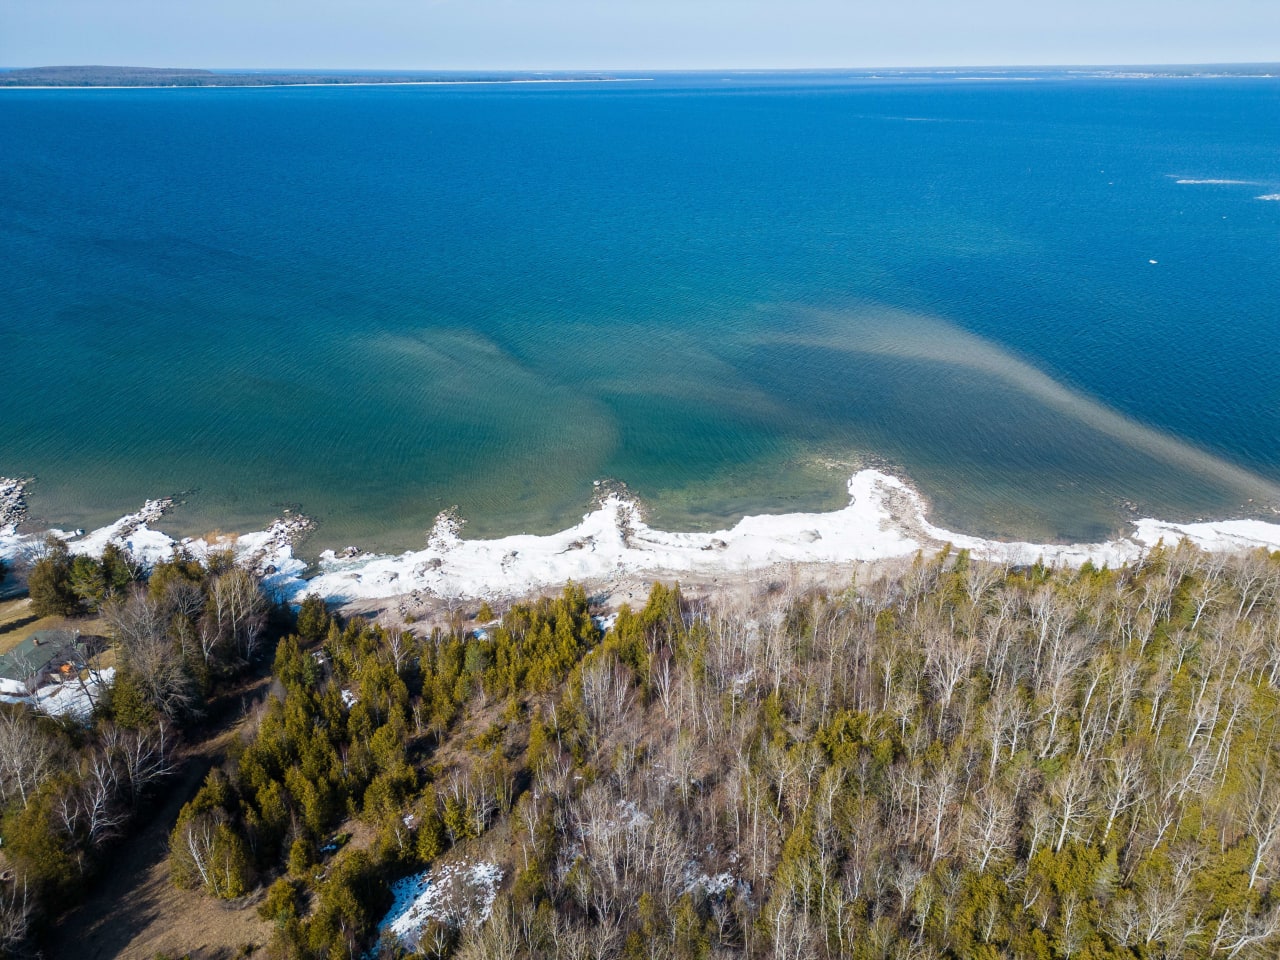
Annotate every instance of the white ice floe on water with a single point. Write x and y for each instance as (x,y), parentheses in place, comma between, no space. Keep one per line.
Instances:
(458,895)
(1215,182)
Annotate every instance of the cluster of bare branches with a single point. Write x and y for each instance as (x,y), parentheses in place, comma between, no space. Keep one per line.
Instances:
(70,787)
(66,794)
(177,632)
(961,759)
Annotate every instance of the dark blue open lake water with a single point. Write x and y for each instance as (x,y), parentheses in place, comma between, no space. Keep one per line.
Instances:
(376,302)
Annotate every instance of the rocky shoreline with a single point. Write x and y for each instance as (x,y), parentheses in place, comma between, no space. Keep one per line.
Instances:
(13,505)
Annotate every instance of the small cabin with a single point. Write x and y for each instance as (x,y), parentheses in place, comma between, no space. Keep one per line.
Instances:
(47,656)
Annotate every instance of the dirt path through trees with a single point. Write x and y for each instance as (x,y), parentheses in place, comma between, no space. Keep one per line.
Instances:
(134,910)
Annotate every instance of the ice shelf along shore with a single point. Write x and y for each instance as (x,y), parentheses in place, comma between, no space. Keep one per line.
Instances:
(884,519)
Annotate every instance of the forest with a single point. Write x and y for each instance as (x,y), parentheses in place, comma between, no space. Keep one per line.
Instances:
(71,792)
(955,759)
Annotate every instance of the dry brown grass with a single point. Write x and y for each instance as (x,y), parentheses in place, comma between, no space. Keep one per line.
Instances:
(135,912)
(17,622)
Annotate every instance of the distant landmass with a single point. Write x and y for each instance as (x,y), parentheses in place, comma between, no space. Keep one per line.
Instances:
(105,76)
(100,76)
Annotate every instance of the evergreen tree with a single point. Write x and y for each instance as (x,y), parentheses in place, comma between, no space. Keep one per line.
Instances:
(49,583)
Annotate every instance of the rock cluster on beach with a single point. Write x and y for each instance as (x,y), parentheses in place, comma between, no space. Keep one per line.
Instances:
(13,505)
(284,533)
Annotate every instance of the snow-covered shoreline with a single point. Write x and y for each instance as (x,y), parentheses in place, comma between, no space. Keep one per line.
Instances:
(884,519)
(13,505)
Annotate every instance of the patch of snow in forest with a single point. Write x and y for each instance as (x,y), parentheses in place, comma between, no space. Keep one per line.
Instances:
(71,698)
(714,886)
(631,816)
(458,895)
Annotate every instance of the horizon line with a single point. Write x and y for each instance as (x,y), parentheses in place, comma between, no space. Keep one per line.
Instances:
(670,69)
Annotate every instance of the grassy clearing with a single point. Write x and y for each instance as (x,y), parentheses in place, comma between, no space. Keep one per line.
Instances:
(17,623)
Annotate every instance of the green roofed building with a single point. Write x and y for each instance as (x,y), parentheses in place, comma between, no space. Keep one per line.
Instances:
(44,656)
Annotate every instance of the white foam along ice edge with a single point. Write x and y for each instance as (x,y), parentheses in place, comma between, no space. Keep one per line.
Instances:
(884,519)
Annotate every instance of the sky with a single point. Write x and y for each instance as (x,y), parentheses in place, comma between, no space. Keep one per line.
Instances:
(633,34)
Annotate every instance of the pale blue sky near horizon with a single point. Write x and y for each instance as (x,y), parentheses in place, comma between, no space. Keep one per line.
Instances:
(632,34)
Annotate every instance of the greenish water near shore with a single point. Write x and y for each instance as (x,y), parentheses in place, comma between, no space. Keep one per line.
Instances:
(375,303)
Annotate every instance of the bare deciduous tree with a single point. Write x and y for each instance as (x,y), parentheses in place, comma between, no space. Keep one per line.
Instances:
(16,906)
(27,753)
(141,626)
(237,612)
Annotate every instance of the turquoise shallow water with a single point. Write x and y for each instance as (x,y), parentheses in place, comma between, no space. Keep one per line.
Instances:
(728,291)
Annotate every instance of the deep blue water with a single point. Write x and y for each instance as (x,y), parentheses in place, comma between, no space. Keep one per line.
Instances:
(375,302)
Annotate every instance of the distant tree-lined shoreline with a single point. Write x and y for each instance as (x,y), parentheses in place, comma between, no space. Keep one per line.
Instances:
(103,76)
